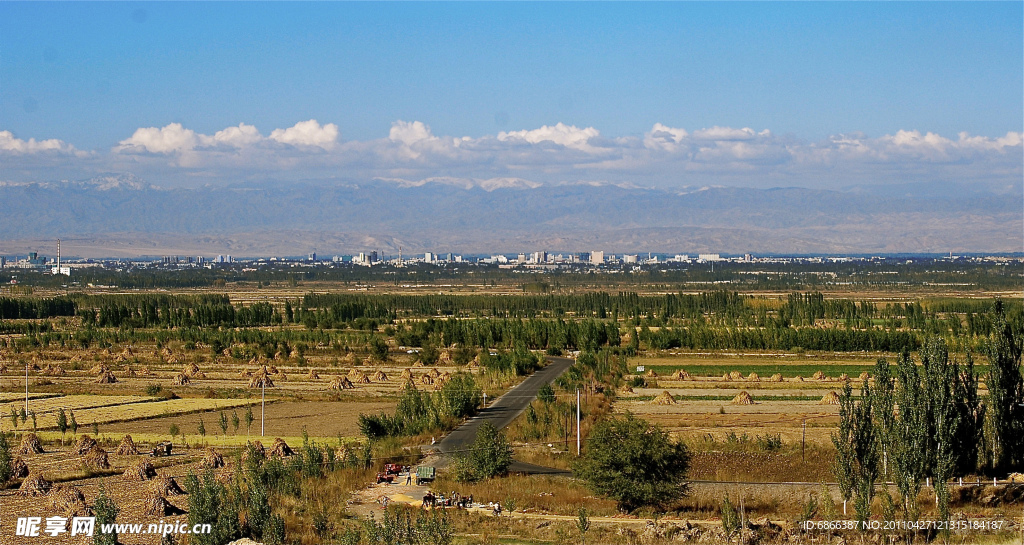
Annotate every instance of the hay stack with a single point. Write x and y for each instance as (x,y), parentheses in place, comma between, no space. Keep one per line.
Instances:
(158,506)
(280,448)
(181,379)
(361,378)
(1016,478)
(106,378)
(141,471)
(96,458)
(34,485)
(245,373)
(798,378)
(211,459)
(340,383)
(127,447)
(407,374)
(3,368)
(752,377)
(681,375)
(830,398)
(864,376)
(742,398)
(434,373)
(127,353)
(167,352)
(272,370)
(445,358)
(426,380)
(380,376)
(313,375)
(651,374)
(19,469)
(167,486)
(726,376)
(52,370)
(626,389)
(261,380)
(735,375)
(777,377)
(84,445)
(99,369)
(844,378)
(199,376)
(30,444)
(129,372)
(664,398)
(818,375)
(69,501)
(409,384)
(190,369)
(144,372)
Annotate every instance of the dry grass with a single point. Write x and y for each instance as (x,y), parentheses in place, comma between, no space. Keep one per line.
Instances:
(541,494)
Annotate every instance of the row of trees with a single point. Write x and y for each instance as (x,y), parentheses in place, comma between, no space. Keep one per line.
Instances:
(421,412)
(928,422)
(783,338)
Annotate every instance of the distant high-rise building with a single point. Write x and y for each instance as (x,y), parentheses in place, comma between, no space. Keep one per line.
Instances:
(629,258)
(428,257)
(709,257)
(596,258)
(312,256)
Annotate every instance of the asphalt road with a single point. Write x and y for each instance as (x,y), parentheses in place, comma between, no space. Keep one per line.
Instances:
(502,411)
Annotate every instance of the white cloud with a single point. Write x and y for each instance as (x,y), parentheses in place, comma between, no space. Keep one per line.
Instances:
(239,137)
(410,133)
(9,143)
(307,133)
(568,136)
(726,133)
(169,139)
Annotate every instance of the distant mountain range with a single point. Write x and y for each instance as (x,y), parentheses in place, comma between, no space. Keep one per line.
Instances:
(123,216)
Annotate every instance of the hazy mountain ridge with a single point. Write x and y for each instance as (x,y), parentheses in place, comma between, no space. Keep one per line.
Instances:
(445,215)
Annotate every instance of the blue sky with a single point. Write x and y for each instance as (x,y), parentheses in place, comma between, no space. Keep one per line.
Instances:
(90,75)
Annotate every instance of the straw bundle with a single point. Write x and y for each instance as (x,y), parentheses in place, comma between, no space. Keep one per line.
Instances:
(313,375)
(844,378)
(158,506)
(735,375)
(106,378)
(68,500)
(742,398)
(127,447)
(261,380)
(777,377)
(340,383)
(445,358)
(752,377)
(651,374)
(96,458)
(626,389)
(19,469)
(280,448)
(380,376)
(664,398)
(167,486)
(34,485)
(426,380)
(726,376)
(818,375)
(84,445)
(181,379)
(141,471)
(190,369)
(407,374)
(53,370)
(830,398)
(865,376)
(681,375)
(99,369)
(30,444)
(211,459)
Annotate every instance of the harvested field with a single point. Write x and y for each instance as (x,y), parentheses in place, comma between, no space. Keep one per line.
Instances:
(284,418)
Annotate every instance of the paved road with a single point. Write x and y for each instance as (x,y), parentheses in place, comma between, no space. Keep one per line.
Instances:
(502,411)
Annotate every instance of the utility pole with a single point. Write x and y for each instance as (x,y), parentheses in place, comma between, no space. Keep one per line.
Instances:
(803,440)
(26,387)
(263,408)
(577,421)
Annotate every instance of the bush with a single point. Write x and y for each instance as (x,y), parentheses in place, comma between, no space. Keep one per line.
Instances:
(634,463)
(490,456)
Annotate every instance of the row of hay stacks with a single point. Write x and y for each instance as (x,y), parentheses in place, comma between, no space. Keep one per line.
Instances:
(742,398)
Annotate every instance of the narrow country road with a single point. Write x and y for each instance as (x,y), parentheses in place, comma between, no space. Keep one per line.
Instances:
(502,411)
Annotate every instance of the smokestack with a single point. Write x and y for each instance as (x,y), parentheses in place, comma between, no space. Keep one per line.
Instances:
(58,256)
